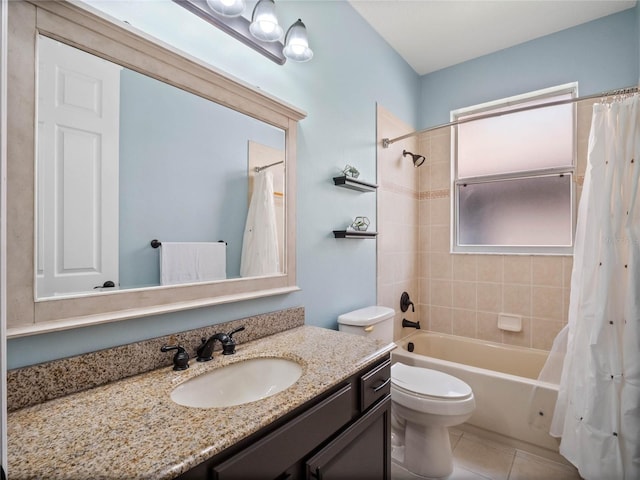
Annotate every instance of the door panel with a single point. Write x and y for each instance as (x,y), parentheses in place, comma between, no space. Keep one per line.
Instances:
(78,123)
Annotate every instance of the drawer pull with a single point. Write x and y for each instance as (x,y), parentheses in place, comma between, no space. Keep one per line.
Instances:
(380,386)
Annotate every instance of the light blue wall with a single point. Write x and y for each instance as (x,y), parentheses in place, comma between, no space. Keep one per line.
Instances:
(601,55)
(183,173)
(352,70)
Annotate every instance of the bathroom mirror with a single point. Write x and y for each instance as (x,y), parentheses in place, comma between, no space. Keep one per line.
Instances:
(124,159)
(174,177)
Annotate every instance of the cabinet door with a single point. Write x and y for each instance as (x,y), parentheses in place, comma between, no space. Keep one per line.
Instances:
(276,453)
(362,451)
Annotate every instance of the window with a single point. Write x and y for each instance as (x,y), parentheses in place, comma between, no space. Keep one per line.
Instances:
(513,175)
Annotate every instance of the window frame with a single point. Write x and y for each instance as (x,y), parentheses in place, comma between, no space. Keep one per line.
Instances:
(513,102)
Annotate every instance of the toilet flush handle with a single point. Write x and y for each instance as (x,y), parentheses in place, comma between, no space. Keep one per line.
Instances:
(369,328)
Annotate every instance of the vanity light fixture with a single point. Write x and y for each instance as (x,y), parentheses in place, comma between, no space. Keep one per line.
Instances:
(262,32)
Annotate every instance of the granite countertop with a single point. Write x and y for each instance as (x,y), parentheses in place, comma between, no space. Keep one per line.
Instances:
(132,429)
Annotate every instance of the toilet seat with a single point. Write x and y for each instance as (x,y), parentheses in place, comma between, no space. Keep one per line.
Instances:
(430,391)
(429,383)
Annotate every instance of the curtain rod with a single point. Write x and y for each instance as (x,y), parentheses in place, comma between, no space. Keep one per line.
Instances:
(621,91)
(264,167)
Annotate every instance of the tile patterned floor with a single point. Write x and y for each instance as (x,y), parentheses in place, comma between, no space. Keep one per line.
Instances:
(477,458)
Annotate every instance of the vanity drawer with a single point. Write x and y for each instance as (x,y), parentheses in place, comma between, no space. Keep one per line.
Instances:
(276,452)
(375,385)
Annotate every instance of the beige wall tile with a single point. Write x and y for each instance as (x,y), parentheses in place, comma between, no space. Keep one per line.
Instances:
(489,297)
(517,269)
(464,322)
(441,293)
(464,267)
(464,295)
(424,238)
(517,299)
(424,212)
(547,303)
(490,268)
(440,264)
(440,320)
(547,271)
(440,211)
(424,287)
(441,146)
(440,176)
(488,327)
(522,338)
(440,239)
(567,268)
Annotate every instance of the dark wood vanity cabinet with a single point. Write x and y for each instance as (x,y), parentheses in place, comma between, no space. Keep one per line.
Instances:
(344,433)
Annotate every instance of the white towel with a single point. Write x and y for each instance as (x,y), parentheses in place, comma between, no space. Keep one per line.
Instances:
(188,262)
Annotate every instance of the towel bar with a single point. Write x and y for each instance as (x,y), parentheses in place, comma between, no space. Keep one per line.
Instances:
(155,243)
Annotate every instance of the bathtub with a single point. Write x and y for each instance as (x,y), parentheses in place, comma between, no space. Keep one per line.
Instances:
(510,401)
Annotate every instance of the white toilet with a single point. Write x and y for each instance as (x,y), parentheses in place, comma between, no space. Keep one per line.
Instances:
(424,402)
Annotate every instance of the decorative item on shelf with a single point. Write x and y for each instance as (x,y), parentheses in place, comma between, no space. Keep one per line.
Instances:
(350,171)
(360,224)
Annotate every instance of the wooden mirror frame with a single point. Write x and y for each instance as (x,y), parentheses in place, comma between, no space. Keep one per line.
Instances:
(89,30)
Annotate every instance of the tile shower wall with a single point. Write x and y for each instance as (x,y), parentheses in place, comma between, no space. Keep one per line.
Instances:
(398,219)
(463,294)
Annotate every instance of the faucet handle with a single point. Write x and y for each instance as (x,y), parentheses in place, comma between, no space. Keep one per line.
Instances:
(239,329)
(229,346)
(180,359)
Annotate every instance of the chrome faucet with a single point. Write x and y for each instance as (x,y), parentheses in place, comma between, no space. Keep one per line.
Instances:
(205,350)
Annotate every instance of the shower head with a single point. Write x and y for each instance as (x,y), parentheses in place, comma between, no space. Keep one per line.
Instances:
(417,159)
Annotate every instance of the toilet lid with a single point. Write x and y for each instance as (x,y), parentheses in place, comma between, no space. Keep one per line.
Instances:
(432,383)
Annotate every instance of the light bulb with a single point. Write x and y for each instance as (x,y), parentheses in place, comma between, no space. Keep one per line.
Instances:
(297,44)
(264,23)
(227,8)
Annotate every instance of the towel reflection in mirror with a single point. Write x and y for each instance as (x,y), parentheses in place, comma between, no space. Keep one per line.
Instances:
(260,243)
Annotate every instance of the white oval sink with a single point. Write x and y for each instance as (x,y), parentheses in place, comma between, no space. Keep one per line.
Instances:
(238,383)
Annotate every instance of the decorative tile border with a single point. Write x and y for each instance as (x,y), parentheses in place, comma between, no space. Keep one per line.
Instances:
(430,195)
(38,383)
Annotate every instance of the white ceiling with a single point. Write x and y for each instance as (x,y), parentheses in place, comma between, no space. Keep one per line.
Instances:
(435,34)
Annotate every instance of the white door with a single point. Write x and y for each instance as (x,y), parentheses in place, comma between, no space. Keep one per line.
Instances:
(77,170)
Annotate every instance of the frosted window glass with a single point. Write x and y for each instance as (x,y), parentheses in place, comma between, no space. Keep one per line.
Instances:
(533,211)
(530,140)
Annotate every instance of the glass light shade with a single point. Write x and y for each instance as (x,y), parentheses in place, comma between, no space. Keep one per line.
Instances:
(264,23)
(227,8)
(297,44)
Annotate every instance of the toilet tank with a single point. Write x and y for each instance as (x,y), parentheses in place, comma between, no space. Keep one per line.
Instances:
(373,322)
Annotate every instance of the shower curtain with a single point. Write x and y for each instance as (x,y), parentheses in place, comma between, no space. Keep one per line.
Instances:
(260,243)
(598,409)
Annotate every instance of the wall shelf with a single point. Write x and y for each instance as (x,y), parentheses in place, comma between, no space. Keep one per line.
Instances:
(353,234)
(354,184)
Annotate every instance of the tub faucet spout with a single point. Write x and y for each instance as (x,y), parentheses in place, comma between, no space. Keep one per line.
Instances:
(408,323)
